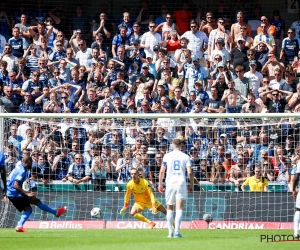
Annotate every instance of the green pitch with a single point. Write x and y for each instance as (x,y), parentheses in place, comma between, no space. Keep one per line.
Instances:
(141,239)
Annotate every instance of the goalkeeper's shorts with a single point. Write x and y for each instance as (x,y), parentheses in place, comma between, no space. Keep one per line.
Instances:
(142,205)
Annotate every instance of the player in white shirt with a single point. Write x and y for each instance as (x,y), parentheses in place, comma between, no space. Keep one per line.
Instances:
(176,163)
(296,195)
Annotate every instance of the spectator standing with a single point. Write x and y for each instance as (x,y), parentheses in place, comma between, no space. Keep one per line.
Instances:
(198,40)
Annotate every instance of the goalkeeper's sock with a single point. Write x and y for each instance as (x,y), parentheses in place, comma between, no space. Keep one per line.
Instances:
(44,207)
(141,218)
(170,221)
(178,218)
(24,217)
(296,222)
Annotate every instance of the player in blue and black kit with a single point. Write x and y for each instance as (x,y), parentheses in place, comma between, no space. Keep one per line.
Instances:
(3,176)
(21,198)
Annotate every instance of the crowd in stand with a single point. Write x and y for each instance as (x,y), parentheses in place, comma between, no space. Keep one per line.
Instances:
(170,63)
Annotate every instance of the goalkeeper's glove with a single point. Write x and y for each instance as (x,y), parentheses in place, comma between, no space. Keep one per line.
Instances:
(154,209)
(124,208)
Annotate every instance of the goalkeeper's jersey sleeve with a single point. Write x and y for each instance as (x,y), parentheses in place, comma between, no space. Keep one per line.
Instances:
(142,192)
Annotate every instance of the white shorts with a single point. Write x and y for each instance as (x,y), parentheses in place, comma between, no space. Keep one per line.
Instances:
(174,193)
(298,200)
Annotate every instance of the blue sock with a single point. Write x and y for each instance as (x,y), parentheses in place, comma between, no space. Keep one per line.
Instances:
(44,207)
(24,217)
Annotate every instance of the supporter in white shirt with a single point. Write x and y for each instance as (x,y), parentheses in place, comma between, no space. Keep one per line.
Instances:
(275,83)
(198,40)
(150,39)
(220,50)
(84,53)
(255,78)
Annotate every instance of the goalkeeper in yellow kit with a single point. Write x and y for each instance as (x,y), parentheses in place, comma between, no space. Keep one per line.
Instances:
(143,196)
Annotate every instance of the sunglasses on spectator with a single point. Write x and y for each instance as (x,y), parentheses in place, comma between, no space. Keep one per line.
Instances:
(276,74)
(290,32)
(221,22)
(250,54)
(266,82)
(193,26)
(218,58)
(80,44)
(64,97)
(151,26)
(56,72)
(59,45)
(239,71)
(274,94)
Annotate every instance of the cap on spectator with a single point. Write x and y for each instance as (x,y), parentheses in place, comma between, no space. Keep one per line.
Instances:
(195,58)
(227,153)
(287,160)
(290,136)
(168,105)
(162,144)
(10,144)
(145,65)
(252,62)
(240,39)
(223,135)
(220,40)
(122,84)
(149,56)
(151,151)
(221,65)
(156,47)
(198,82)
(198,101)
(192,149)
(246,134)
(180,137)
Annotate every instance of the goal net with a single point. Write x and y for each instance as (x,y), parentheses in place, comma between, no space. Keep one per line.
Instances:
(83,161)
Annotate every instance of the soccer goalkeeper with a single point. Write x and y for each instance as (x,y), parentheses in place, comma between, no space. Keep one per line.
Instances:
(143,196)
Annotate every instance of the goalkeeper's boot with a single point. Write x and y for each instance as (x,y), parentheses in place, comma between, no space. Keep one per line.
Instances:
(178,235)
(21,230)
(152,224)
(61,211)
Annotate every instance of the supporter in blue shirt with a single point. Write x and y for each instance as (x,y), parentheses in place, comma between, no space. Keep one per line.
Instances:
(120,39)
(290,47)
(19,44)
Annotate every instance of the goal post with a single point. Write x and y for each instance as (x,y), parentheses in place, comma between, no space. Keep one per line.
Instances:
(224,150)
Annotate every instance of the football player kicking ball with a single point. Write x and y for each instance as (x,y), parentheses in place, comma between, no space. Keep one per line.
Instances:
(143,196)
(21,198)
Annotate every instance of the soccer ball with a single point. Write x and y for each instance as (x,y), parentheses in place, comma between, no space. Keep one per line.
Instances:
(96,213)
(208,218)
